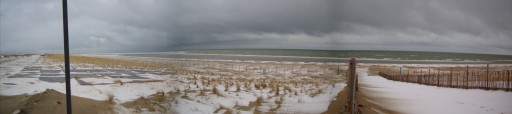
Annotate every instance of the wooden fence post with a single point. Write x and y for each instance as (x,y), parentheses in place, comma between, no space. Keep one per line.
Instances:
(300,70)
(338,69)
(407,78)
(284,70)
(268,70)
(487,77)
(292,70)
(438,76)
(457,78)
(451,74)
(352,78)
(421,77)
(414,75)
(276,70)
(472,77)
(508,83)
(316,70)
(429,80)
(503,75)
(467,76)
(322,74)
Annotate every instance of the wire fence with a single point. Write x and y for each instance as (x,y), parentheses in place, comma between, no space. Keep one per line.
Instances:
(468,79)
(270,69)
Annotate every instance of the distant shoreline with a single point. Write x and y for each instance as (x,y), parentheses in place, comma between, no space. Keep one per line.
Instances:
(331,56)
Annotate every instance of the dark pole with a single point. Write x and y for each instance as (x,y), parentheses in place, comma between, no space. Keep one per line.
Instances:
(66,54)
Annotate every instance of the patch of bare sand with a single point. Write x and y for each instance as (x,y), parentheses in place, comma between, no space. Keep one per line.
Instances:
(340,105)
(152,103)
(52,102)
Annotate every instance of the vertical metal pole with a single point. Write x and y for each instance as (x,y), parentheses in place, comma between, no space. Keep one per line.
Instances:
(66,55)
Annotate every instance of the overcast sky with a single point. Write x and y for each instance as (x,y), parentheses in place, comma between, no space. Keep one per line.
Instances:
(112,26)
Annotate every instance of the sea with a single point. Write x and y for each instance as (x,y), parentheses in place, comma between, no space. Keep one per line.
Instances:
(332,56)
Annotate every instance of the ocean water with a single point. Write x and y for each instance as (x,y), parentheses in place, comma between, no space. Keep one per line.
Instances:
(333,56)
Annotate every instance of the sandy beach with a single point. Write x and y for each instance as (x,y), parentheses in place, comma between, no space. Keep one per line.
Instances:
(126,84)
(138,85)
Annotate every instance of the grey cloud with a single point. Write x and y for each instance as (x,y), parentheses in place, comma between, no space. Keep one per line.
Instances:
(154,25)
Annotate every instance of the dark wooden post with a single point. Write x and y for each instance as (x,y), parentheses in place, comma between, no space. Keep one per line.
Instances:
(307,71)
(456,80)
(451,74)
(472,77)
(438,76)
(338,69)
(414,75)
(508,83)
(487,77)
(407,78)
(467,77)
(428,76)
(352,84)
(502,76)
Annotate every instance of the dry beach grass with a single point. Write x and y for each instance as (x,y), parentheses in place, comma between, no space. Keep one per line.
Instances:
(275,87)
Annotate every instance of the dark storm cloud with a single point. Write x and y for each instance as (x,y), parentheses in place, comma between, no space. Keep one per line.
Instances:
(158,25)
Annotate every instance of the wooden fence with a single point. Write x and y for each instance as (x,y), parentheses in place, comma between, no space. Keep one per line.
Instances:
(468,79)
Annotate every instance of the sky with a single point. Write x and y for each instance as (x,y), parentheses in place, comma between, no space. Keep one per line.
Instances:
(120,26)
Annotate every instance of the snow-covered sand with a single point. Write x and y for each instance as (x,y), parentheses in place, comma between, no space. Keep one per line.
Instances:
(247,91)
(413,98)
(187,93)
